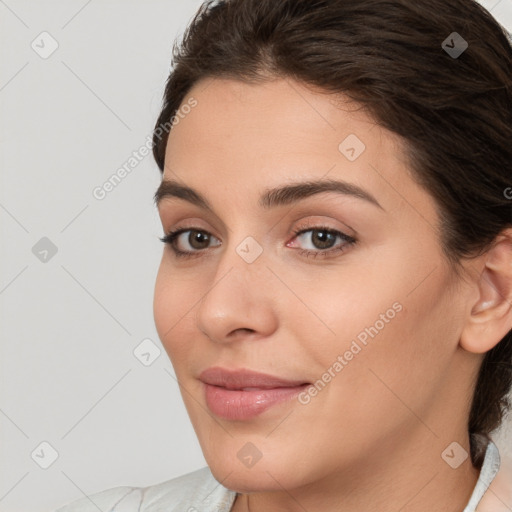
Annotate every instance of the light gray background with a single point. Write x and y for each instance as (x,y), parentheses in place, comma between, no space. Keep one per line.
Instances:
(69,325)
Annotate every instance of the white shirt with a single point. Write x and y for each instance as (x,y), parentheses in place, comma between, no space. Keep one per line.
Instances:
(200,492)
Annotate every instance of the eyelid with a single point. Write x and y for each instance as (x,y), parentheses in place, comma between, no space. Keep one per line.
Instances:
(326,222)
(314,222)
(171,235)
(348,241)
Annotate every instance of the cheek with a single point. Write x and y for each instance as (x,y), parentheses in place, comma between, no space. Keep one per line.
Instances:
(170,307)
(407,360)
(389,318)
(161,307)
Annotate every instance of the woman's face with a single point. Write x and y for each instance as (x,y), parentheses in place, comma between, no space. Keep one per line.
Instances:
(364,324)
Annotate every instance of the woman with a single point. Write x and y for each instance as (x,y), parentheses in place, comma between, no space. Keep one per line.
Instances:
(335,292)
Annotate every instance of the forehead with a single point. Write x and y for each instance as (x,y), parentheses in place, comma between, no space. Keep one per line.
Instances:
(245,137)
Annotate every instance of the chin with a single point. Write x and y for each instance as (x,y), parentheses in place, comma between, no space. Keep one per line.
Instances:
(246,480)
(269,473)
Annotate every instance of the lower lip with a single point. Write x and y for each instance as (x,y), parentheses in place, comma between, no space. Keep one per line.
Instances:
(234,404)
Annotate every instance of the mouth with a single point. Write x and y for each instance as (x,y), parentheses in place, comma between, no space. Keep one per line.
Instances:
(244,394)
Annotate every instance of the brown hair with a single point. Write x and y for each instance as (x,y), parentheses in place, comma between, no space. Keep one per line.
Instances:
(454,113)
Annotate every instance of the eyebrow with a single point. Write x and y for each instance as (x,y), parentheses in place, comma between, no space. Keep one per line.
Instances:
(271,198)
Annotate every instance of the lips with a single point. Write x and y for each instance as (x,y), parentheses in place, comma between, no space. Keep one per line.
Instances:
(244,394)
(245,379)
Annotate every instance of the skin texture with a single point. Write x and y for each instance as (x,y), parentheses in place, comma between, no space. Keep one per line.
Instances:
(372,438)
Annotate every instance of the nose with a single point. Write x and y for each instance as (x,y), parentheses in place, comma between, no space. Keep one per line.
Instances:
(238,302)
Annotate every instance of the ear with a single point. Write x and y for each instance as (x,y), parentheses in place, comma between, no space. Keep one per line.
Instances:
(490,318)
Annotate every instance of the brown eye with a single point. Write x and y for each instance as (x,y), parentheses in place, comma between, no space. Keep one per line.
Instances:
(187,246)
(198,239)
(322,241)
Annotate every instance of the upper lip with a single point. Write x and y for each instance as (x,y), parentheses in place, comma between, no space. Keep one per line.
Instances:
(243,378)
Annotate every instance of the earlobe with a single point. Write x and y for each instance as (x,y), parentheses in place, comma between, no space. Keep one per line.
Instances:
(490,318)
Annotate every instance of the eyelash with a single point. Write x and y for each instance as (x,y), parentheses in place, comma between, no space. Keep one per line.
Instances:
(171,236)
